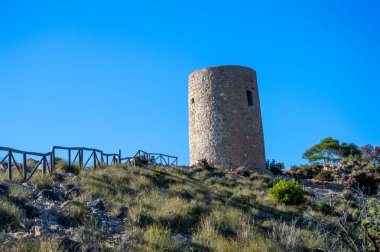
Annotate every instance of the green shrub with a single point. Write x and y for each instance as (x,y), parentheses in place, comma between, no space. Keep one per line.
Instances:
(325,175)
(288,192)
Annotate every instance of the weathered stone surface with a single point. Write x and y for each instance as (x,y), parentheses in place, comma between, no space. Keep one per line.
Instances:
(225,125)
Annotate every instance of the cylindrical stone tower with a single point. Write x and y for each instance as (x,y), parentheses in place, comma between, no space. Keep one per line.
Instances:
(225,125)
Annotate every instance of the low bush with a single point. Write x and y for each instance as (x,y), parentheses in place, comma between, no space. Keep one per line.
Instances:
(288,192)
(309,172)
(275,167)
(325,175)
(10,215)
(158,238)
(325,208)
(63,166)
(288,236)
(43,181)
(75,215)
(347,194)
(368,182)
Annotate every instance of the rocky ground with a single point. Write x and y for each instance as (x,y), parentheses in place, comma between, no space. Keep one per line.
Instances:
(44,214)
(125,211)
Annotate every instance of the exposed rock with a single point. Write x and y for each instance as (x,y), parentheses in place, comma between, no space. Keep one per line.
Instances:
(47,194)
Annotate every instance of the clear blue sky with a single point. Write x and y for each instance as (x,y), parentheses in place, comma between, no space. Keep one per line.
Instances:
(113,74)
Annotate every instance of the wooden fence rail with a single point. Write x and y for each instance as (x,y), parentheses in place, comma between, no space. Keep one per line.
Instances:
(47,161)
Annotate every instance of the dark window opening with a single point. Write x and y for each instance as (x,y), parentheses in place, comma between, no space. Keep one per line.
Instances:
(192,100)
(250,98)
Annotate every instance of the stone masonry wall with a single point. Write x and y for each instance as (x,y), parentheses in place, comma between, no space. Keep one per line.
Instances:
(223,128)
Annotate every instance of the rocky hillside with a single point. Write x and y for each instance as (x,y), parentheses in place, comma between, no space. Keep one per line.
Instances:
(130,208)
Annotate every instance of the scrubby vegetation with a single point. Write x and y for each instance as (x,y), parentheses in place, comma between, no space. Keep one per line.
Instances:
(201,208)
(288,192)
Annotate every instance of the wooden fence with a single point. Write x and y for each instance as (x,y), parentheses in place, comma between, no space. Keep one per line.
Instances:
(154,158)
(47,161)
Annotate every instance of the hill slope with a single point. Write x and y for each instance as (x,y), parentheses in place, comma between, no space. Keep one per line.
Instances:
(131,208)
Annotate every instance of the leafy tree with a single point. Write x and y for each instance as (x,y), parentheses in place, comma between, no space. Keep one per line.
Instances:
(349,149)
(328,151)
(371,153)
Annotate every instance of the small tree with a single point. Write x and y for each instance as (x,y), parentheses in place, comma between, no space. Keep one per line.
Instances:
(349,149)
(327,151)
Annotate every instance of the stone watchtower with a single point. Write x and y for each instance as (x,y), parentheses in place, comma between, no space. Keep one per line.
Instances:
(225,125)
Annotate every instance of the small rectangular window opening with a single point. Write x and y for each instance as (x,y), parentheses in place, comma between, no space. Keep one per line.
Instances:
(249,98)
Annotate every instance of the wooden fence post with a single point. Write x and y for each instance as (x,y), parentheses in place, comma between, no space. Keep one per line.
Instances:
(69,161)
(80,153)
(52,161)
(119,162)
(24,168)
(94,152)
(9,165)
(44,165)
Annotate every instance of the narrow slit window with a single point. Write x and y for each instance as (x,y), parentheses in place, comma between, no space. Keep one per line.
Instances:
(192,100)
(249,98)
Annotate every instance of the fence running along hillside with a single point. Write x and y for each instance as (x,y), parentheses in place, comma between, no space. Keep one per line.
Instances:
(154,158)
(82,156)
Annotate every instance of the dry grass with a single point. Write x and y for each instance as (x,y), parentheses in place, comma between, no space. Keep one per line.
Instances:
(196,210)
